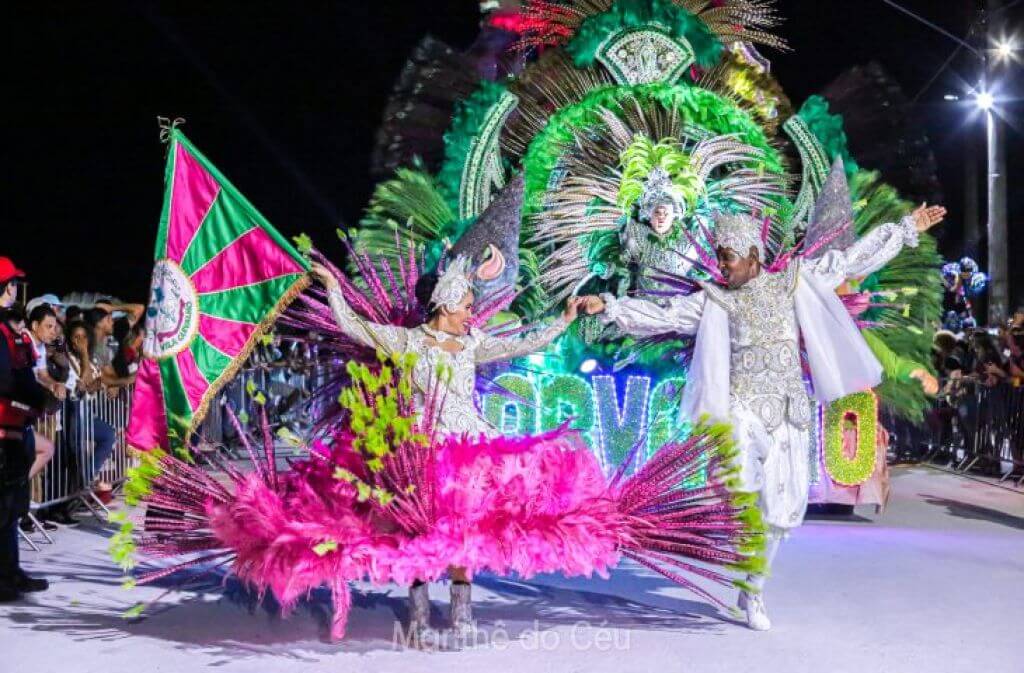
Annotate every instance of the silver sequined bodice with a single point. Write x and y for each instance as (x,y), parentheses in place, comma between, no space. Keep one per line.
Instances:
(458,413)
(654,257)
(766,375)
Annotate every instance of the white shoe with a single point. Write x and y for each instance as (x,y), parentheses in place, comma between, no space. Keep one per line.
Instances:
(461,611)
(421,635)
(757,612)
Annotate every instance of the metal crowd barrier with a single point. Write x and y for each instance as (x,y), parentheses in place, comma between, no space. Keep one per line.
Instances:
(70,474)
(984,430)
(282,389)
(68,478)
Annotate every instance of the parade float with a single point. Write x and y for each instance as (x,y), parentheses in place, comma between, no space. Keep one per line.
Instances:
(630,122)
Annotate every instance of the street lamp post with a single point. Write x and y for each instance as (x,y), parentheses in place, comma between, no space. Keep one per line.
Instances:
(998,255)
(999,50)
(999,286)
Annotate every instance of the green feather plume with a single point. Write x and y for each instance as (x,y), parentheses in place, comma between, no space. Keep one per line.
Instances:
(829,130)
(663,14)
(467,120)
(913,282)
(408,208)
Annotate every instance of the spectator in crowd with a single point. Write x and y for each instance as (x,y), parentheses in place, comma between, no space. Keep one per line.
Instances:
(1013,346)
(89,379)
(71,314)
(51,300)
(1016,322)
(20,397)
(43,330)
(101,320)
(131,312)
(989,365)
(948,357)
(101,324)
(129,339)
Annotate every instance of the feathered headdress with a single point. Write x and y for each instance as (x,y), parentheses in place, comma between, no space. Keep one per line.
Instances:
(659,190)
(452,285)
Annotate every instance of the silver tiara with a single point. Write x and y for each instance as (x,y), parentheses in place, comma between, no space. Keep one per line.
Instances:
(658,190)
(740,232)
(452,285)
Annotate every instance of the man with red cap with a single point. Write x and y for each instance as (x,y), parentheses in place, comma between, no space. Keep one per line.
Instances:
(21,397)
(9,275)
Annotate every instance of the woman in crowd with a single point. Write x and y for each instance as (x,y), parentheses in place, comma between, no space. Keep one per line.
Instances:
(989,363)
(89,383)
(126,358)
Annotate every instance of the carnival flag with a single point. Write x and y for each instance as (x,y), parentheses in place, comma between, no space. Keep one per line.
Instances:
(222,275)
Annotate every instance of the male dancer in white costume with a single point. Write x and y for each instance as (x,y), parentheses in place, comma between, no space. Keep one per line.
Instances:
(747,366)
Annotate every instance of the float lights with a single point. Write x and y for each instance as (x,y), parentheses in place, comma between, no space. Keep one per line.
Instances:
(588,366)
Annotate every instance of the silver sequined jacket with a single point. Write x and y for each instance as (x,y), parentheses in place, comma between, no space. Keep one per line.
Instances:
(765,372)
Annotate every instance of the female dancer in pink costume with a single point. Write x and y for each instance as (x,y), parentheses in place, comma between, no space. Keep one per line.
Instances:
(444,345)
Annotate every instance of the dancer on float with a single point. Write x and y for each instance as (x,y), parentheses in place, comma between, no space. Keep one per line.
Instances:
(445,342)
(747,360)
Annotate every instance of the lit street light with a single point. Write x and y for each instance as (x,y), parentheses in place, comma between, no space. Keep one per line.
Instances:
(1006,49)
(1000,54)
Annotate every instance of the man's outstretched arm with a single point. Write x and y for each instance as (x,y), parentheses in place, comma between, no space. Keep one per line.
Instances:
(876,248)
(638,317)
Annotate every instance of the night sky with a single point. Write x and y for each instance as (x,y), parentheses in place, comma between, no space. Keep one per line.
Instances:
(285,98)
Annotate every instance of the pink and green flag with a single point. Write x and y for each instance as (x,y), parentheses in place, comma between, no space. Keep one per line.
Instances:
(222,275)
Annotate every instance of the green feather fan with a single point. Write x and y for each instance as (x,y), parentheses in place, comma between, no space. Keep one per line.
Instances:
(911,281)
(412,206)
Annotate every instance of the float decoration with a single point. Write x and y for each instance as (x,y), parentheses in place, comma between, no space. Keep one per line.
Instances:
(860,410)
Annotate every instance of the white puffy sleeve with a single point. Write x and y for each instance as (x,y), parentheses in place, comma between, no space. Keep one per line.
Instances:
(642,318)
(390,338)
(869,254)
(492,349)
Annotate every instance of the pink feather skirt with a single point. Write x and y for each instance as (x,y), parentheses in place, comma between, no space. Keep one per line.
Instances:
(522,506)
(507,505)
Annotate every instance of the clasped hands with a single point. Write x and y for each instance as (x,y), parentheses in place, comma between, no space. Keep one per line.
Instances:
(588,304)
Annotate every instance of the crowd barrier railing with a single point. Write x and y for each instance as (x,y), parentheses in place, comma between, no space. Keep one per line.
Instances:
(79,430)
(282,389)
(981,427)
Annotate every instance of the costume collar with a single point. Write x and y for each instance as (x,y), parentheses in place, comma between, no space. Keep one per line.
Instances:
(439,335)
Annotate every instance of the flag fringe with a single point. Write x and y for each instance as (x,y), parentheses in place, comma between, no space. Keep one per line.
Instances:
(297,288)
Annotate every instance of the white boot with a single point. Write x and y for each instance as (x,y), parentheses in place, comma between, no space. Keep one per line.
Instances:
(420,633)
(752,602)
(462,610)
(757,612)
